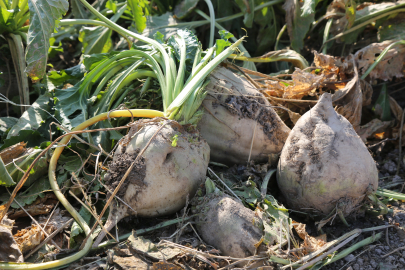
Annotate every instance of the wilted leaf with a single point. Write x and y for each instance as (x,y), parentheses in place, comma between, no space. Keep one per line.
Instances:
(28,239)
(310,244)
(349,100)
(44,17)
(297,24)
(372,127)
(184,8)
(38,207)
(390,66)
(350,8)
(396,109)
(305,84)
(129,263)
(147,247)
(12,152)
(9,250)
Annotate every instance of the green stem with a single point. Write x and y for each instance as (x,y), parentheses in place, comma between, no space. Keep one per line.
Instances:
(380,57)
(326,34)
(23,9)
(279,36)
(14,4)
(354,28)
(241,47)
(3,5)
(390,194)
(212,21)
(351,249)
(17,54)
(157,45)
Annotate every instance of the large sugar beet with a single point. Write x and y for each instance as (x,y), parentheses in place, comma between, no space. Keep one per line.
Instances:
(172,168)
(324,164)
(234,113)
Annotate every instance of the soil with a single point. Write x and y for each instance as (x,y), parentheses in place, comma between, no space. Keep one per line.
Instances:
(119,166)
(253,108)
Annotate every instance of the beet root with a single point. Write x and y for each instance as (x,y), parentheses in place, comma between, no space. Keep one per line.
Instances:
(324,165)
(172,168)
(229,226)
(234,114)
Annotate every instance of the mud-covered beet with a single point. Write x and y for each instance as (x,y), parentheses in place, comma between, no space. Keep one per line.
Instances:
(170,170)
(324,165)
(228,225)
(235,114)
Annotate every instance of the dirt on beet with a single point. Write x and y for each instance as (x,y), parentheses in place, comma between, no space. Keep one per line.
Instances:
(119,166)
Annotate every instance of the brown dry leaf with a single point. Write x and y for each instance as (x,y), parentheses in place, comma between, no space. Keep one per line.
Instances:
(349,101)
(165,266)
(9,250)
(311,243)
(304,84)
(27,239)
(12,152)
(396,109)
(373,127)
(40,206)
(294,117)
(390,66)
(130,263)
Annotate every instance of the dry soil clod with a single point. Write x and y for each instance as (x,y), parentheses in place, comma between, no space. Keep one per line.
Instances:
(172,168)
(324,164)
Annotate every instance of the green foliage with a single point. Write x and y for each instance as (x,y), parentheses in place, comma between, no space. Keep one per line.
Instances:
(5,178)
(75,229)
(247,7)
(174,139)
(44,17)
(184,8)
(223,42)
(382,106)
(136,9)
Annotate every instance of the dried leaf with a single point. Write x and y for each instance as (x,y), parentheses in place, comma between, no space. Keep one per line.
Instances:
(349,101)
(27,239)
(129,263)
(310,243)
(390,66)
(145,246)
(12,152)
(9,250)
(304,84)
(165,266)
(372,127)
(396,109)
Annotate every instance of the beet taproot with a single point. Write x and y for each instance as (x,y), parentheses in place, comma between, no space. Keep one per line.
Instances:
(229,226)
(172,168)
(235,114)
(324,165)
